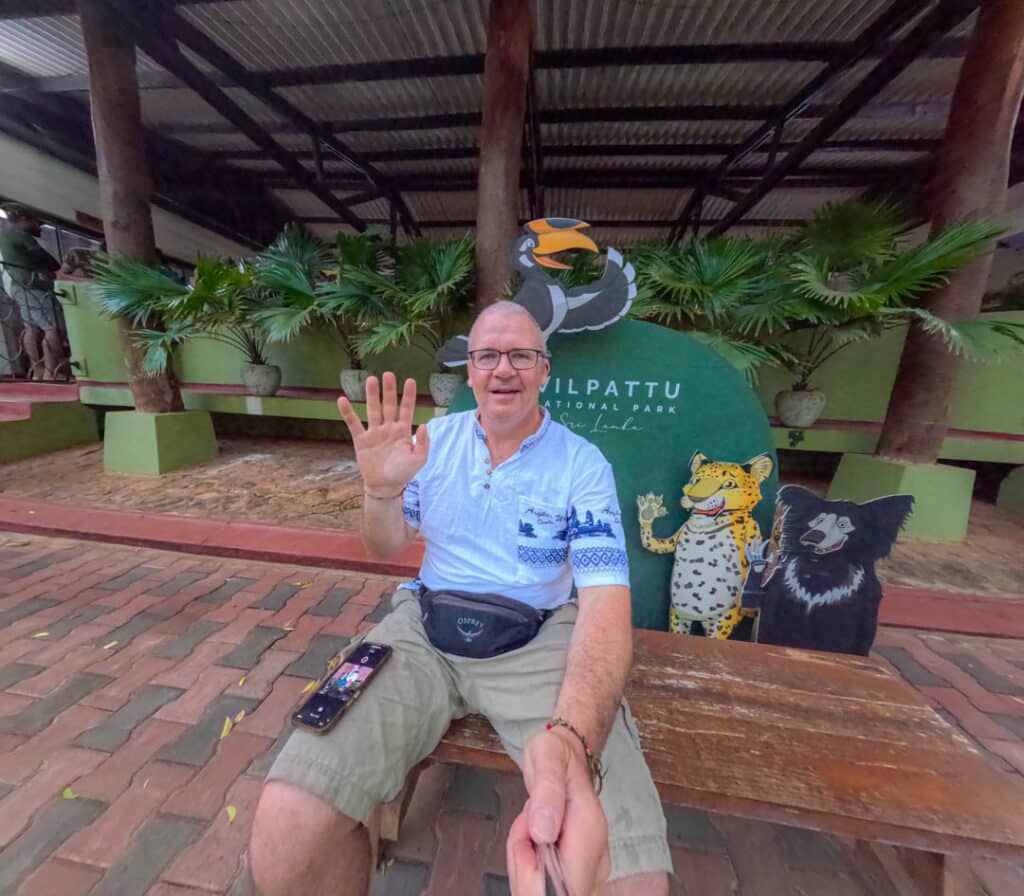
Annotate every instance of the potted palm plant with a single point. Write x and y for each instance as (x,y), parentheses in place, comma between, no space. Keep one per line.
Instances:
(301,274)
(845,277)
(221,303)
(417,297)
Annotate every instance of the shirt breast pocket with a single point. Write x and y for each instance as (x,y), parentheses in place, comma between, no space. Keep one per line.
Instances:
(542,542)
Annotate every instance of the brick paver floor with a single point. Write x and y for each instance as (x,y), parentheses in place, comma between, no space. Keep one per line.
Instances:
(120,666)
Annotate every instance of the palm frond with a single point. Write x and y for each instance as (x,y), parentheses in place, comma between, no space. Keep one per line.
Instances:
(847,234)
(129,289)
(925,268)
(977,339)
(296,249)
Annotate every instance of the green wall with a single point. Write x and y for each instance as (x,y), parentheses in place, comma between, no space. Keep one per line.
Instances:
(857,381)
(313,359)
(53,425)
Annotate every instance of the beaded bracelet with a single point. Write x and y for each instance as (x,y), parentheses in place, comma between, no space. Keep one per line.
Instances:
(593,760)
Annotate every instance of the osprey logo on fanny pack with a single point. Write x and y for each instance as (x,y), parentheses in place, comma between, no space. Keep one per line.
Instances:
(469,627)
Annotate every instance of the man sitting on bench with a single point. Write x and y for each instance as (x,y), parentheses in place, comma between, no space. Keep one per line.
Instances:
(512,508)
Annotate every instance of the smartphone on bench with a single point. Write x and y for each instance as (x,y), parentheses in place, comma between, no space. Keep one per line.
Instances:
(341,687)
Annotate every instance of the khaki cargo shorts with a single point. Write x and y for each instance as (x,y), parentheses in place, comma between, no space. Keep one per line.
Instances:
(365,759)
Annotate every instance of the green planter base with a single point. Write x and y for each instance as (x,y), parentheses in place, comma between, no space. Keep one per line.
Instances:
(1011,492)
(151,444)
(942,494)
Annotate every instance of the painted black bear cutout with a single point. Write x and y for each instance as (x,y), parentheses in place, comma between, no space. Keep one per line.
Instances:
(814,583)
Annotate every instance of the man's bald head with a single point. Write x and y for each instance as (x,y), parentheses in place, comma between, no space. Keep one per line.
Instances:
(505,308)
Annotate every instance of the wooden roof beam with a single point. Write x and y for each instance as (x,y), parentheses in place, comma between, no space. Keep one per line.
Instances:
(597,114)
(593,222)
(473,64)
(601,150)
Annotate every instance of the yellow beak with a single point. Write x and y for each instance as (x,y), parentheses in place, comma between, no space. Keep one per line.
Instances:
(552,240)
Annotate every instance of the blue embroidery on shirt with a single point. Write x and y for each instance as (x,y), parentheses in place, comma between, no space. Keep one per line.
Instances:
(600,558)
(526,530)
(529,442)
(581,529)
(412,514)
(542,556)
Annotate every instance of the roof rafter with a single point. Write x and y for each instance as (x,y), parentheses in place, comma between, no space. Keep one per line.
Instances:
(600,150)
(184,178)
(206,48)
(623,178)
(473,64)
(166,53)
(944,16)
(874,36)
(35,9)
(586,115)
(643,224)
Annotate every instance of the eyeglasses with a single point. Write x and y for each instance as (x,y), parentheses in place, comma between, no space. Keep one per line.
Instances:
(519,358)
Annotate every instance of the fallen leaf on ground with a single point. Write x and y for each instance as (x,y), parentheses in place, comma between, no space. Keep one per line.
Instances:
(241,681)
(239,717)
(310,687)
(111,644)
(226,730)
(69,794)
(41,635)
(232,811)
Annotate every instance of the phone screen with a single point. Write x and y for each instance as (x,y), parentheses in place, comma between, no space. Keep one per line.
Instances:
(342,687)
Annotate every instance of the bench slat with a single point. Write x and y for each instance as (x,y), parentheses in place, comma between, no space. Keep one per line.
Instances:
(821,741)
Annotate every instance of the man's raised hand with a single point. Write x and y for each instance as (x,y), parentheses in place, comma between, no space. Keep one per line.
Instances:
(385,451)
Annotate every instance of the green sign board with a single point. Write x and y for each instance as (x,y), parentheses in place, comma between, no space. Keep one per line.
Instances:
(650,398)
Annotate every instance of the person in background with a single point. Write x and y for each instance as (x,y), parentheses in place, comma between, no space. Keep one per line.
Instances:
(28,271)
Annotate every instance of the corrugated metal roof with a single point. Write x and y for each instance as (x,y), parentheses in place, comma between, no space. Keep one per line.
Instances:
(375,99)
(752,83)
(585,23)
(589,133)
(266,34)
(287,34)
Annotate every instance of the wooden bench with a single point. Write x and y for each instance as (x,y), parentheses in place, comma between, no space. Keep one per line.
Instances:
(821,741)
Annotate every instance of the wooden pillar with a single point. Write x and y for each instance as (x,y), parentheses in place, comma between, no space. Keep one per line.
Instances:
(972,170)
(121,165)
(506,74)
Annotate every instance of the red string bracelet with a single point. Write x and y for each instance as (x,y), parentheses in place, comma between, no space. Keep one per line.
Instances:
(593,760)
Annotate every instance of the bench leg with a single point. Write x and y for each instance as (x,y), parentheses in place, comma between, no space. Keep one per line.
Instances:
(386,823)
(909,872)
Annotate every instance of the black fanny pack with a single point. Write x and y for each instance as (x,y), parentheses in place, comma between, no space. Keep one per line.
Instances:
(478,625)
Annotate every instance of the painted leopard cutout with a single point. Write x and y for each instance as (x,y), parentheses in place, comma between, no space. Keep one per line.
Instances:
(710,548)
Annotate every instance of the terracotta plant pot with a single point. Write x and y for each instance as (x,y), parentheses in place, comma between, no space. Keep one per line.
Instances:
(353,384)
(443,387)
(799,408)
(261,379)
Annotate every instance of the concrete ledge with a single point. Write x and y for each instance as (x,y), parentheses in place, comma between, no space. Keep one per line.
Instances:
(29,428)
(978,614)
(151,444)
(942,493)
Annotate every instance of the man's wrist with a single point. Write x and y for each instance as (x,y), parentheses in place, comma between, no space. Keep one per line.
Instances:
(383,494)
(581,747)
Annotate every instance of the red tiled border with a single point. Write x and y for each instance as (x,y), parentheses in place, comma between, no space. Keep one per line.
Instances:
(904,607)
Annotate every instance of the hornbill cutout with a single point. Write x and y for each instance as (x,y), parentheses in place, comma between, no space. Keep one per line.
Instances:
(556,309)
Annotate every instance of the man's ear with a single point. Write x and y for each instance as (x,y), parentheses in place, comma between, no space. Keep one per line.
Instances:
(697,461)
